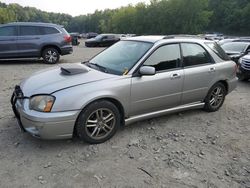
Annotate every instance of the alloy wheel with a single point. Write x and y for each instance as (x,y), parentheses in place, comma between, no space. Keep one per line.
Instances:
(216,97)
(100,123)
(51,56)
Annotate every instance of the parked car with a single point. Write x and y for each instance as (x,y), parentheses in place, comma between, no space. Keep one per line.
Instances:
(34,40)
(74,38)
(236,39)
(91,35)
(135,79)
(227,40)
(102,40)
(75,34)
(243,71)
(236,50)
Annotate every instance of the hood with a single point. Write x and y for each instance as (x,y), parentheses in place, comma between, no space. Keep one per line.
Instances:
(56,78)
(246,57)
(233,53)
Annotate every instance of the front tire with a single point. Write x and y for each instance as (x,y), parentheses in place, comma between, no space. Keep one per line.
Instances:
(215,97)
(98,122)
(50,55)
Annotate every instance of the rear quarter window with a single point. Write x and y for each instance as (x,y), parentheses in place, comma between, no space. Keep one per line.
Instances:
(49,30)
(218,50)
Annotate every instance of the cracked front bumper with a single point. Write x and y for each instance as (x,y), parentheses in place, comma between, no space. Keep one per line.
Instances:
(53,125)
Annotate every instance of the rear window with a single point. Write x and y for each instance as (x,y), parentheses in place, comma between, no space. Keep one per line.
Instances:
(65,31)
(218,50)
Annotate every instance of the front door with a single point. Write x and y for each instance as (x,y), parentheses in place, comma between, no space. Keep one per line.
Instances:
(8,42)
(162,90)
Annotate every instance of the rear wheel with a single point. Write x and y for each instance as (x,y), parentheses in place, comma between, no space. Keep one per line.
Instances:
(50,55)
(98,122)
(215,97)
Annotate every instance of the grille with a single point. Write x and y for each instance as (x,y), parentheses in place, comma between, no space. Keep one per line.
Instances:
(245,64)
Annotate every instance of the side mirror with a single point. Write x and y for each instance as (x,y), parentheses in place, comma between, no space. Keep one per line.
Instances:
(147,71)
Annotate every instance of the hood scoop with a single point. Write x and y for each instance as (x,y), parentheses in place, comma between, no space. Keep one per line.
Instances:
(73,69)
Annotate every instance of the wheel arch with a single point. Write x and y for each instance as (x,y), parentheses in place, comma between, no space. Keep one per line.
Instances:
(50,46)
(116,102)
(224,82)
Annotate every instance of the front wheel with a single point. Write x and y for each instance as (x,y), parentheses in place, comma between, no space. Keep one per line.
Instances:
(215,98)
(98,122)
(50,55)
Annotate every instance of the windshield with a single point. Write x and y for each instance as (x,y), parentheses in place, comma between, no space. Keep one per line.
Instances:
(98,37)
(234,46)
(121,57)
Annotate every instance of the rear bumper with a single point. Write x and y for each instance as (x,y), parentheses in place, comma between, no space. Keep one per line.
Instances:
(66,50)
(54,125)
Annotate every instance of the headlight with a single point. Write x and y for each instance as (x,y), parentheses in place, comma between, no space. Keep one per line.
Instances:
(240,61)
(42,103)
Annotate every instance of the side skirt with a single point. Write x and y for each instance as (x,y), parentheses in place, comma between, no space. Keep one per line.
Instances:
(163,112)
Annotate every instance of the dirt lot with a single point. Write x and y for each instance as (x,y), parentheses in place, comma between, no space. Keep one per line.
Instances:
(189,149)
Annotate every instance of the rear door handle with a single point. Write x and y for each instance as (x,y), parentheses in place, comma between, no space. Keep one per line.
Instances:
(212,69)
(175,76)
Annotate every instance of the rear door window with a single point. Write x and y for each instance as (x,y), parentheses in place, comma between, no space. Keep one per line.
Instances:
(8,31)
(29,30)
(194,54)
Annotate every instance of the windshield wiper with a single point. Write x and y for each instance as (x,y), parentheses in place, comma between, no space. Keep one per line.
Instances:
(84,62)
(101,68)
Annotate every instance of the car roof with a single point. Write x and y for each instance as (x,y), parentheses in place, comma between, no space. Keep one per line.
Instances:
(169,38)
(31,24)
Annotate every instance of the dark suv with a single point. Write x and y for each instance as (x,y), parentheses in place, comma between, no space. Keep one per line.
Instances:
(34,40)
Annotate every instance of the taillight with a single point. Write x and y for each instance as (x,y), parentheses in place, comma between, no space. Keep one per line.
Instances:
(236,67)
(67,38)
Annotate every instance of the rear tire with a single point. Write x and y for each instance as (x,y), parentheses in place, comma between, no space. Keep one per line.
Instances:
(98,122)
(50,55)
(215,97)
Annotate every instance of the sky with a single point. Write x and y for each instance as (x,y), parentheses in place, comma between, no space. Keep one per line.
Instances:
(74,7)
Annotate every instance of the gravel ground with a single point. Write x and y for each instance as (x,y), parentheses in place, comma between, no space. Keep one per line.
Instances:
(188,149)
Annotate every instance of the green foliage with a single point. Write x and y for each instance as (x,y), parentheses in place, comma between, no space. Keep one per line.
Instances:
(157,17)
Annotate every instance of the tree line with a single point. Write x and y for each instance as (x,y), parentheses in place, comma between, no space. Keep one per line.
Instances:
(157,17)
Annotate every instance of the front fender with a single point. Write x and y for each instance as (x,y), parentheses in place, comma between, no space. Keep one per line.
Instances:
(76,98)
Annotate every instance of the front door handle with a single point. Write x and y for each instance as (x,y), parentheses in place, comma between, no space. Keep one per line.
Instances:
(212,69)
(175,76)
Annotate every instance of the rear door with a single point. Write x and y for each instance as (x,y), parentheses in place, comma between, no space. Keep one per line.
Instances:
(162,90)
(28,42)
(8,42)
(199,70)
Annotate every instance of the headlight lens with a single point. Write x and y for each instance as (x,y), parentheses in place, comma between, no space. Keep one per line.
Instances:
(240,60)
(42,103)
